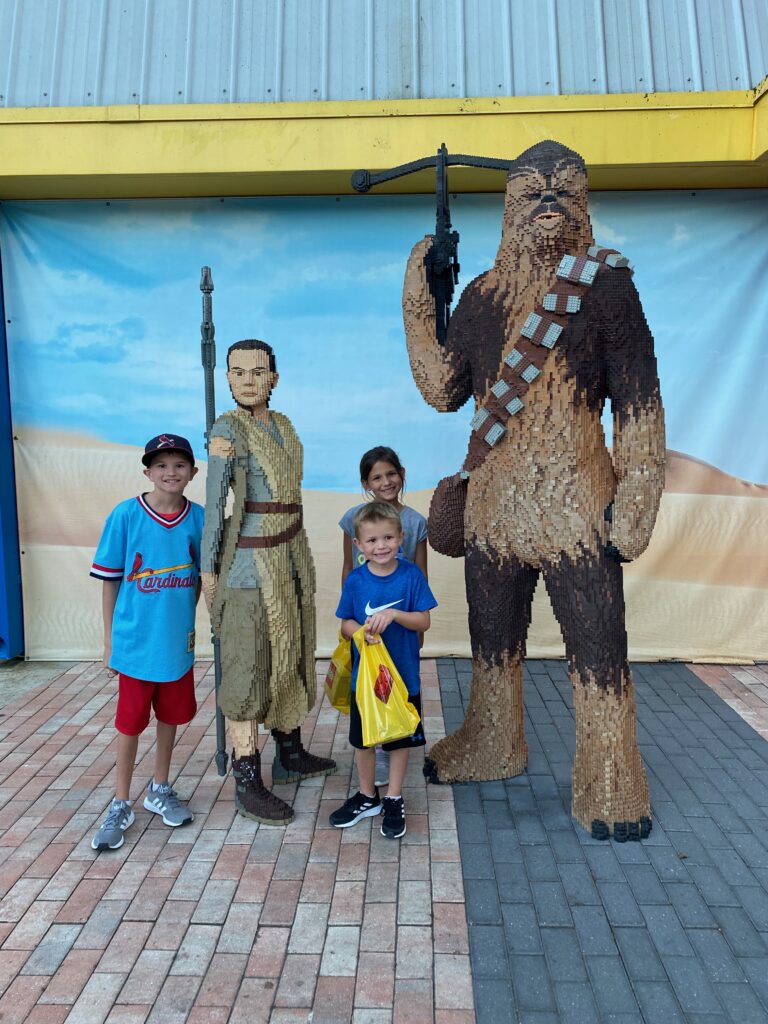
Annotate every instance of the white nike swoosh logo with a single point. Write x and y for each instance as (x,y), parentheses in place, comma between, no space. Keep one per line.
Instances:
(372,611)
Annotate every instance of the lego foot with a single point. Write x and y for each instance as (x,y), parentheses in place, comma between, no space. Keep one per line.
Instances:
(623,831)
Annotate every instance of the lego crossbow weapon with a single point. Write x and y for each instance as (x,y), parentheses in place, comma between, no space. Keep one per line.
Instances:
(441,261)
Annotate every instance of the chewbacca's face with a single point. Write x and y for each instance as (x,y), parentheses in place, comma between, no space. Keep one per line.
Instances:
(547,199)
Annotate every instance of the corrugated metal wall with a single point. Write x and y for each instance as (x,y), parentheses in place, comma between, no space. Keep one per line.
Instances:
(86,52)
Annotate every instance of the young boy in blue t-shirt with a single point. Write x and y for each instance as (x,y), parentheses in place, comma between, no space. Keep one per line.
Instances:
(149,560)
(389,596)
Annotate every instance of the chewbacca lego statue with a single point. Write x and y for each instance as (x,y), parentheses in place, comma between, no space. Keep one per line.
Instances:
(541,340)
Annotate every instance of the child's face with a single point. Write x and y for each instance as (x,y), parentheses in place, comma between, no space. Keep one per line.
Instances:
(379,541)
(384,482)
(170,473)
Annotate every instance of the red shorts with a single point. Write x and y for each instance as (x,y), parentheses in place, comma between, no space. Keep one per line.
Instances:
(174,703)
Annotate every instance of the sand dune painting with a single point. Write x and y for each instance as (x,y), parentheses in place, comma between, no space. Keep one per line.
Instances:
(699,591)
(103,315)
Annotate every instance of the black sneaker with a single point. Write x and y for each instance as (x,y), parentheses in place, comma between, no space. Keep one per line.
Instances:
(357,807)
(393,825)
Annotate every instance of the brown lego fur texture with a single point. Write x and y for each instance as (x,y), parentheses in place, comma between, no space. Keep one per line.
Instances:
(542,484)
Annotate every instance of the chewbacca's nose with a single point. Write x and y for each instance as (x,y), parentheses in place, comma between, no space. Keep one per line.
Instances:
(548,199)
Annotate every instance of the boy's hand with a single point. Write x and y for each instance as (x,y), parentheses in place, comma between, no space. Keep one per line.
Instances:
(370,637)
(378,623)
(209,582)
(106,660)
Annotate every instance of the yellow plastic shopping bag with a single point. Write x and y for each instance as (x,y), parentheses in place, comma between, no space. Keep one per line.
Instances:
(338,678)
(382,698)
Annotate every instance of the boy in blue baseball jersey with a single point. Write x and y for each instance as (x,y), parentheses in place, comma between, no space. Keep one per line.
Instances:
(389,596)
(149,561)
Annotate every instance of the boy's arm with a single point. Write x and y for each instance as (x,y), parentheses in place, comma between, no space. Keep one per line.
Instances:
(348,628)
(346,566)
(109,592)
(419,622)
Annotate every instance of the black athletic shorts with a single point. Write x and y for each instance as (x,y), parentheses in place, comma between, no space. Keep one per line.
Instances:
(356,728)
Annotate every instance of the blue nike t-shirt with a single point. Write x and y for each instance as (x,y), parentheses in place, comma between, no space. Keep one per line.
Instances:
(405,589)
(157,561)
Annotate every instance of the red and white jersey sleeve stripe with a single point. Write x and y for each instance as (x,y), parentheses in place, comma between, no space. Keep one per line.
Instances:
(103,572)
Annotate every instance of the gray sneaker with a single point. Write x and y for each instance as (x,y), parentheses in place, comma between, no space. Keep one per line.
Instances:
(110,834)
(161,799)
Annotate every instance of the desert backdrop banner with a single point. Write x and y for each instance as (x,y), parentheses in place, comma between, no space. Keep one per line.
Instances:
(104,310)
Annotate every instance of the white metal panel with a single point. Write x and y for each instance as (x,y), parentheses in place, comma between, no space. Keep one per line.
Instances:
(257,35)
(165,73)
(83,52)
(29,79)
(722,44)
(535,44)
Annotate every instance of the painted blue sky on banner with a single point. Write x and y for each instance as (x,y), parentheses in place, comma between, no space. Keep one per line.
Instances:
(104,317)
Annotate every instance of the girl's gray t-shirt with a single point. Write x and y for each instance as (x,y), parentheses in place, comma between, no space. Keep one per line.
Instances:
(414,532)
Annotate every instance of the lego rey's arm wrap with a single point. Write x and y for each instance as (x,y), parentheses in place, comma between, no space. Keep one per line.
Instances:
(440,373)
(221,465)
(639,441)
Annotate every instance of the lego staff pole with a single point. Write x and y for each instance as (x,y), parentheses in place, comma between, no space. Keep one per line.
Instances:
(208,352)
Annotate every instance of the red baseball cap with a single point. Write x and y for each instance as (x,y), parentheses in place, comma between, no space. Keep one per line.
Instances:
(169,443)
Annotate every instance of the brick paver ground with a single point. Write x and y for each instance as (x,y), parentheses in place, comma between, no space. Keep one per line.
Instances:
(566,929)
(225,921)
(222,920)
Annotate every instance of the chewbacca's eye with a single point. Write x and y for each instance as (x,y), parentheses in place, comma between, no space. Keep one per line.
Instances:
(563,193)
(531,195)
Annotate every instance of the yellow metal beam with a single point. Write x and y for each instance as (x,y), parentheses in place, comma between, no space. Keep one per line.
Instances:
(632,141)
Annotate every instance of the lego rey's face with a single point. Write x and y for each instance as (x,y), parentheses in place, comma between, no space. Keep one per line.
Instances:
(250,379)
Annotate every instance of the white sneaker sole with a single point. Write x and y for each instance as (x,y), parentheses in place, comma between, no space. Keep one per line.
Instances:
(370,813)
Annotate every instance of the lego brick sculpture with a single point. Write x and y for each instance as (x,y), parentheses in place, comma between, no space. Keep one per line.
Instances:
(541,340)
(259,583)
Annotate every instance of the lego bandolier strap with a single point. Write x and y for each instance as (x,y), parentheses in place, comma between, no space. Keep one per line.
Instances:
(543,328)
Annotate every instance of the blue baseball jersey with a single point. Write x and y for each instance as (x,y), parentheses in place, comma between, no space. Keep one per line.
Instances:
(157,560)
(407,590)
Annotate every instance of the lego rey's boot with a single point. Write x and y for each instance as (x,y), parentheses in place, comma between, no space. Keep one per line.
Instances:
(252,798)
(293,763)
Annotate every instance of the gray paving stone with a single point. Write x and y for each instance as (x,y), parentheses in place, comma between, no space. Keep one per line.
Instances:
(530,979)
(576,1003)
(645,884)
(551,904)
(610,984)
(668,866)
(594,932)
(690,906)
(739,932)
(530,827)
(641,961)
(521,927)
(711,835)
(513,885)
(482,899)
(488,951)
(578,886)
(494,1001)
(756,970)
(505,846)
(540,864)
(471,827)
(690,848)
(658,1003)
(742,1004)
(564,956)
(666,932)
(620,905)
(692,987)
(603,863)
(716,955)
(478,864)
(753,852)
(713,887)
(566,847)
